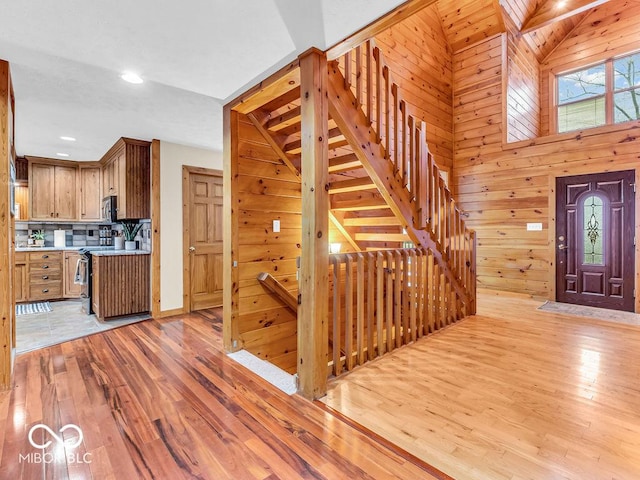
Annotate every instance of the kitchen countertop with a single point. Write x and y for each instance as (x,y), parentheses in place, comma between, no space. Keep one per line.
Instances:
(42,249)
(95,252)
(110,253)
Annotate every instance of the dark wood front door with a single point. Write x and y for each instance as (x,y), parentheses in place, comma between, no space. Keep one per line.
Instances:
(594,240)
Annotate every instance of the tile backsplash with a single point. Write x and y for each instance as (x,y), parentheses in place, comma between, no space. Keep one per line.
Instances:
(79,234)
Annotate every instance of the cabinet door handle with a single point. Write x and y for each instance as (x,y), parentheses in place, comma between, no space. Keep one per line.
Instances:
(45,266)
(45,256)
(45,277)
(45,290)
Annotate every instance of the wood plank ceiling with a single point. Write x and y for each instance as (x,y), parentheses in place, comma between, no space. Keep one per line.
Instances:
(544,24)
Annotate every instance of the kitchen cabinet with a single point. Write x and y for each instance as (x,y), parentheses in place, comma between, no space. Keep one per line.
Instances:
(20,281)
(126,170)
(44,275)
(120,284)
(90,192)
(111,174)
(70,289)
(52,191)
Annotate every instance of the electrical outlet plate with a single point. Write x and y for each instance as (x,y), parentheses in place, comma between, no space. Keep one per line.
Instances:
(534,227)
(276,226)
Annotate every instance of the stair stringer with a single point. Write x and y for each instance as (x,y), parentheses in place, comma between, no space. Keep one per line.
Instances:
(354,125)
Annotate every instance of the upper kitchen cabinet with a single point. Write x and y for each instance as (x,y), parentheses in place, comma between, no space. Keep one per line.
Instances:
(52,190)
(90,192)
(126,171)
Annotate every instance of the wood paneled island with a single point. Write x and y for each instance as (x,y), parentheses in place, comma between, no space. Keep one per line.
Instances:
(120,283)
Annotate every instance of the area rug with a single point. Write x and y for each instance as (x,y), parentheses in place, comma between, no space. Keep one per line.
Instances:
(592,312)
(31,308)
(272,374)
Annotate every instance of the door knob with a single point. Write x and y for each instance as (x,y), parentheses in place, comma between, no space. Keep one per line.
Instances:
(192,249)
(562,247)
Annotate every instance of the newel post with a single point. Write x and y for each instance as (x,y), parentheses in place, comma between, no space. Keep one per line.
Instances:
(314,266)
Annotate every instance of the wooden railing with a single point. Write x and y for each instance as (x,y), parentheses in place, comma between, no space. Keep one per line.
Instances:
(382,300)
(404,140)
(274,286)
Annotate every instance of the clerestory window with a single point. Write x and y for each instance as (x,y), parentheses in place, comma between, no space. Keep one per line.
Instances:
(601,94)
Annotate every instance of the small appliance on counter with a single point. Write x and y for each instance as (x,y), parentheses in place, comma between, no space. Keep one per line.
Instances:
(59,238)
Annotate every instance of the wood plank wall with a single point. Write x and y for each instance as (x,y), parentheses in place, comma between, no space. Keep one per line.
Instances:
(523,91)
(609,30)
(420,61)
(477,100)
(267,191)
(503,188)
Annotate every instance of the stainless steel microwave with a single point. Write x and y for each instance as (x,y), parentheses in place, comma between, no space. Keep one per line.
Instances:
(109,209)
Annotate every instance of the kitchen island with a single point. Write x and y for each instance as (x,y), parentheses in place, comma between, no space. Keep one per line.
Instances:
(120,283)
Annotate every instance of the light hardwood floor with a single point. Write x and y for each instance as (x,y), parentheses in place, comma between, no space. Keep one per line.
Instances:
(160,399)
(513,393)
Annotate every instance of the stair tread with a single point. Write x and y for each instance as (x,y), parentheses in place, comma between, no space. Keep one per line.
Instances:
(372,221)
(359,204)
(286,119)
(351,185)
(344,163)
(335,137)
(381,237)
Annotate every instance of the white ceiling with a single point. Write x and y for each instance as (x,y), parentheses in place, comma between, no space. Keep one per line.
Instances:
(66,58)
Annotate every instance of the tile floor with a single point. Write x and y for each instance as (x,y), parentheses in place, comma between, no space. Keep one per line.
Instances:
(66,322)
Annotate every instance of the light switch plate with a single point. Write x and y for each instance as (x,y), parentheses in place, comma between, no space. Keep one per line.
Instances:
(276,226)
(534,227)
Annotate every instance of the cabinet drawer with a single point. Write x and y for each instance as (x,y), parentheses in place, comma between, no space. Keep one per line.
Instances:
(45,267)
(45,276)
(21,257)
(44,291)
(48,256)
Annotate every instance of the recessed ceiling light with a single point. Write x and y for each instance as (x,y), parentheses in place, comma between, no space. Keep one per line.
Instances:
(131,77)
(561,4)
(62,154)
(68,139)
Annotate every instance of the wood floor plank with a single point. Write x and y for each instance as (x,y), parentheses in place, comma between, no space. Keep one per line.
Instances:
(512,392)
(160,399)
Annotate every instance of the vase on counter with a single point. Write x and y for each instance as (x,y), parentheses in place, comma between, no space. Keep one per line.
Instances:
(130,245)
(39,243)
(118,243)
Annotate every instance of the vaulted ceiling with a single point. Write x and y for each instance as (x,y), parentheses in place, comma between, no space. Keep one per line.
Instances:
(67,56)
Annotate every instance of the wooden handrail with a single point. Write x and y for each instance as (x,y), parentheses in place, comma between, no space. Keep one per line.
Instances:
(279,290)
(404,140)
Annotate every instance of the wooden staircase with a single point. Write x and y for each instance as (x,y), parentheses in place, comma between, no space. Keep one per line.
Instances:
(358,209)
(385,188)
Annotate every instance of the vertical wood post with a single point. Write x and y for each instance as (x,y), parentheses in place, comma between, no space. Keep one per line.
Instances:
(314,267)
(230,299)
(7,301)
(156,305)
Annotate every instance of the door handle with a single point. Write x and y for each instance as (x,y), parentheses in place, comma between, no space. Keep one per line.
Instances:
(562,247)
(192,249)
